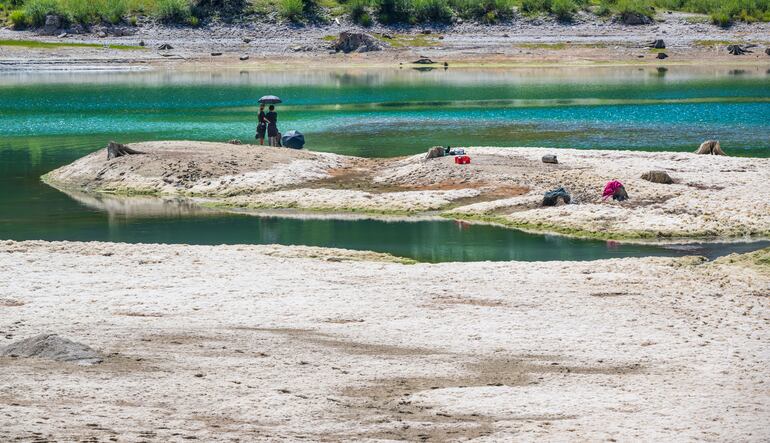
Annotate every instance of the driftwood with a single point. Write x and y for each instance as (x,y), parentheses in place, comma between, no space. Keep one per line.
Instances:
(738,50)
(657,177)
(115,150)
(710,147)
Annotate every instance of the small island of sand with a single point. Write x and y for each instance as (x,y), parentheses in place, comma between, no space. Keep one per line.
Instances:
(711,197)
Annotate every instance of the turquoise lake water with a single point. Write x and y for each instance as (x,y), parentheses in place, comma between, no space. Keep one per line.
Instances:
(50,119)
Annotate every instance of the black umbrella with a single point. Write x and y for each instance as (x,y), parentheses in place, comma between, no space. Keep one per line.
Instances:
(293,139)
(270,99)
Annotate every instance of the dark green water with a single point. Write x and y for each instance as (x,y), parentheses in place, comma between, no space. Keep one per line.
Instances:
(47,120)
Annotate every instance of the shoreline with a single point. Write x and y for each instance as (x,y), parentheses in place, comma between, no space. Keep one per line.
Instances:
(196,344)
(523,42)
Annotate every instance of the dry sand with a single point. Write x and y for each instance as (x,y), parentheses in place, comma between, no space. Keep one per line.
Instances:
(712,196)
(267,343)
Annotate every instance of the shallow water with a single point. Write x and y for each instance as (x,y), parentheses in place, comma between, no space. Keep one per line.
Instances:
(50,119)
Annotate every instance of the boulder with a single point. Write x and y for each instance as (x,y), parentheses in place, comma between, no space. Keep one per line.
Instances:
(234,141)
(423,61)
(635,18)
(710,147)
(767,51)
(243,57)
(657,177)
(165,47)
(435,152)
(246,40)
(550,158)
(52,24)
(356,42)
(216,54)
(101,34)
(657,44)
(551,198)
(661,56)
(52,347)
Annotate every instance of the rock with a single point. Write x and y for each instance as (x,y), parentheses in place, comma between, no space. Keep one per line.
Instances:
(551,198)
(388,36)
(243,57)
(435,152)
(246,40)
(767,51)
(62,35)
(141,42)
(737,50)
(52,24)
(635,18)
(52,347)
(165,47)
(710,147)
(234,141)
(115,150)
(661,56)
(426,31)
(356,41)
(550,158)
(446,65)
(657,177)
(657,44)
(216,54)
(423,61)
(101,34)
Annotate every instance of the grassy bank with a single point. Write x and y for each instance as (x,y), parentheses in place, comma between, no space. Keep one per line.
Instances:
(32,13)
(42,45)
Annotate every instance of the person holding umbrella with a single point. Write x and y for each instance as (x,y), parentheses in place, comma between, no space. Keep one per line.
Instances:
(261,124)
(273,136)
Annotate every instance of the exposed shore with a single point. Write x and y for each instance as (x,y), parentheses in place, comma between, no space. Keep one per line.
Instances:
(690,39)
(711,197)
(261,343)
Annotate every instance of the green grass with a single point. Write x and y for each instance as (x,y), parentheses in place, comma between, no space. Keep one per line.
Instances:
(43,45)
(409,40)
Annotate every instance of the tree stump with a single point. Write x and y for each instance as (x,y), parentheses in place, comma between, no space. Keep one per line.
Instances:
(737,50)
(115,150)
(710,147)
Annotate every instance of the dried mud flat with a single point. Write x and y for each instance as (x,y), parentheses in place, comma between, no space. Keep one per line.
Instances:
(267,343)
(711,197)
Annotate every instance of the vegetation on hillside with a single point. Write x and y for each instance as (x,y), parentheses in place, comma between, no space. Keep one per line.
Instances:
(32,13)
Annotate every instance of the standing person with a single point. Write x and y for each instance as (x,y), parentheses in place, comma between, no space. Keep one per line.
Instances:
(272,126)
(261,124)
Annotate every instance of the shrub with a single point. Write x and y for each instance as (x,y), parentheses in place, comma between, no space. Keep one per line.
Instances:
(563,9)
(18,19)
(437,11)
(721,18)
(487,11)
(292,10)
(640,7)
(535,6)
(36,10)
(80,11)
(359,12)
(395,11)
(114,11)
(173,11)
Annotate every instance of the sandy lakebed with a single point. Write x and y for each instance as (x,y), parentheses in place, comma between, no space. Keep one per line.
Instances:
(711,197)
(269,343)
